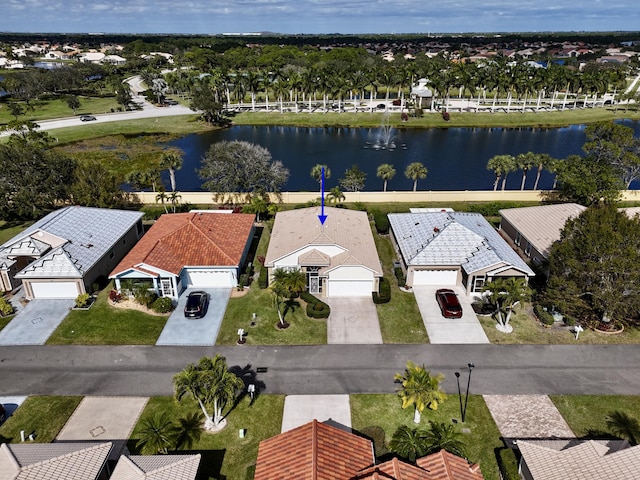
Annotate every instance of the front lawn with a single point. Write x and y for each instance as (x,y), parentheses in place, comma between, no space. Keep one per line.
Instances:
(587,414)
(8,230)
(224,454)
(44,416)
(104,324)
(400,319)
(482,442)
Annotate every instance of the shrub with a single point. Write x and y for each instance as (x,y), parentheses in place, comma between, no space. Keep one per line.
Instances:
(360,206)
(377,436)
(114,296)
(243,281)
(543,314)
(263,277)
(144,296)
(382,222)
(82,300)
(569,320)
(316,308)
(5,307)
(507,463)
(162,305)
(384,292)
(95,287)
(400,276)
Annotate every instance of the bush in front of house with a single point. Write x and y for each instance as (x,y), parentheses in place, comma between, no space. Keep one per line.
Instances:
(263,277)
(316,308)
(382,222)
(5,307)
(383,295)
(543,314)
(82,300)
(400,276)
(144,296)
(162,305)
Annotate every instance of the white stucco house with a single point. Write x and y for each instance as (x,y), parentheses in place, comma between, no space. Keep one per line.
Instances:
(196,249)
(339,258)
(64,253)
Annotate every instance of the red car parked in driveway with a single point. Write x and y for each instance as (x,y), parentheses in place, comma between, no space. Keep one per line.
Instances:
(448,302)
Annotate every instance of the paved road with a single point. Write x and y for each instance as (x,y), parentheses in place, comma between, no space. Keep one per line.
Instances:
(325,369)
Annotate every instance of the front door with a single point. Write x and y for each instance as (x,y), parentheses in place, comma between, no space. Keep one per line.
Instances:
(166,287)
(314,284)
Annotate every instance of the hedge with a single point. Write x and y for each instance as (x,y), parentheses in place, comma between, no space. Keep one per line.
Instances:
(384,292)
(382,222)
(316,308)
(400,276)
(263,277)
(543,315)
(162,305)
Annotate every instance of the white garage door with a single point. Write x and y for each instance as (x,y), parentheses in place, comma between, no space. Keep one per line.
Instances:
(349,288)
(54,289)
(435,277)
(210,278)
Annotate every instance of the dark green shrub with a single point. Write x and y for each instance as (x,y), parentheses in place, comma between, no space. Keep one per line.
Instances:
(543,314)
(144,296)
(243,281)
(569,320)
(95,287)
(307,297)
(263,278)
(162,305)
(377,436)
(507,463)
(383,295)
(382,222)
(360,206)
(318,310)
(400,276)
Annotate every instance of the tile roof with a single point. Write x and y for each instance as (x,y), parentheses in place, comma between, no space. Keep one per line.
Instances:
(315,451)
(541,225)
(348,229)
(156,467)
(53,461)
(452,238)
(191,239)
(580,459)
(82,234)
(394,468)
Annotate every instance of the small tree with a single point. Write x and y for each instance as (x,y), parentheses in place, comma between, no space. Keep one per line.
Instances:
(505,294)
(353,180)
(416,171)
(316,173)
(501,165)
(385,172)
(157,434)
(624,426)
(73,102)
(409,443)
(419,389)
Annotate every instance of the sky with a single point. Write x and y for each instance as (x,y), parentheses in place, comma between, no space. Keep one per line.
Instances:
(317,16)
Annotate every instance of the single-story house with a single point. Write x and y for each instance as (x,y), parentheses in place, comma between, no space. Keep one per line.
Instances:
(325,452)
(578,459)
(156,467)
(205,248)
(534,229)
(45,461)
(453,248)
(64,253)
(339,257)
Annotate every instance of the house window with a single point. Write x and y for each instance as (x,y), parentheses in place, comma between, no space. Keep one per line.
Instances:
(517,240)
(527,251)
(166,287)
(478,284)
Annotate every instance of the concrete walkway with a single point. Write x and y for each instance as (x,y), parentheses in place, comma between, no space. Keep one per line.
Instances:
(36,322)
(301,409)
(527,416)
(448,330)
(353,320)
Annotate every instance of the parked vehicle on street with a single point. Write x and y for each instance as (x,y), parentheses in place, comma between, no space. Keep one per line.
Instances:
(448,302)
(87,118)
(197,303)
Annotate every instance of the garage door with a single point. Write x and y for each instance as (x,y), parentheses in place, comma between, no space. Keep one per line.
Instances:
(435,277)
(54,289)
(210,278)
(349,288)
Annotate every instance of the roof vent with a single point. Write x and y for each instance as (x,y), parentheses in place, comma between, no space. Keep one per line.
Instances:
(436,229)
(417,223)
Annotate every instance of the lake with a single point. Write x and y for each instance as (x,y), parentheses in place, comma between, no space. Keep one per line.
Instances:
(455,157)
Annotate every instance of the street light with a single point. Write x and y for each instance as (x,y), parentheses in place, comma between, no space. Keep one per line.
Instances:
(463,411)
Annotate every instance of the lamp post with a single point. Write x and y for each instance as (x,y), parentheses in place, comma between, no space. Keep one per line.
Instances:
(463,411)
(459,394)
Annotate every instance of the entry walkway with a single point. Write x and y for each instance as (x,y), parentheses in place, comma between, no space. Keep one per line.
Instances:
(35,323)
(353,320)
(301,409)
(448,330)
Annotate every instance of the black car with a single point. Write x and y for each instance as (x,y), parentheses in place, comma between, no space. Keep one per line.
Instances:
(197,303)
(87,118)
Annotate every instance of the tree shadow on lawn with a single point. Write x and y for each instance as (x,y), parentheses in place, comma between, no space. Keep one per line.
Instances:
(248,377)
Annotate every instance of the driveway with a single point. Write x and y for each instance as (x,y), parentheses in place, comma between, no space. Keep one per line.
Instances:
(35,323)
(302,409)
(353,320)
(448,330)
(201,331)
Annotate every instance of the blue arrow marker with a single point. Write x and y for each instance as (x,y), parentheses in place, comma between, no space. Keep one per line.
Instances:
(322,216)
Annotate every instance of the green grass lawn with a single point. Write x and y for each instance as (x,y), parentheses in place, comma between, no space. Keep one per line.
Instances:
(5,320)
(8,230)
(42,415)
(587,414)
(104,324)
(224,454)
(58,108)
(527,330)
(400,319)
(385,411)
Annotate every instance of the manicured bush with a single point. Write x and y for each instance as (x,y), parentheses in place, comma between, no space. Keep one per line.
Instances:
(243,281)
(263,278)
(316,308)
(383,295)
(144,296)
(543,314)
(5,307)
(382,222)
(162,305)
(400,276)
(507,463)
(82,300)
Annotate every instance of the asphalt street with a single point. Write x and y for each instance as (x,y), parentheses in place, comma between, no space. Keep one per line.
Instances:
(324,369)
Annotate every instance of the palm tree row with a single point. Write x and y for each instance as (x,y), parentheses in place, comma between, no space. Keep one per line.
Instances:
(502,165)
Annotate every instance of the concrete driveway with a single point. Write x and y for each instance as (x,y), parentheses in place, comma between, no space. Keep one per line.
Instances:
(353,320)
(301,409)
(201,331)
(36,322)
(448,330)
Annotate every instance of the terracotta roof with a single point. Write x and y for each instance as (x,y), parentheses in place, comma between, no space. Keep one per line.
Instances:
(394,468)
(447,466)
(53,461)
(314,451)
(156,467)
(191,239)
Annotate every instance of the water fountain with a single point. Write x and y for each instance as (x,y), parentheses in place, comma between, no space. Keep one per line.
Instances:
(385,138)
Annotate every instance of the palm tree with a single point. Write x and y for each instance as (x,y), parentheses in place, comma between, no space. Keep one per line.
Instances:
(212,385)
(316,173)
(501,165)
(415,171)
(420,389)
(385,172)
(543,160)
(157,435)
(162,197)
(287,284)
(335,195)
(625,426)
(174,198)
(409,443)
(505,294)
(524,162)
(171,161)
(442,436)
(188,430)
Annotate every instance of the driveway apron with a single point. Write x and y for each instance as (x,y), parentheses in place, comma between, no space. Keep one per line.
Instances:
(301,409)
(353,320)
(196,331)
(448,330)
(36,322)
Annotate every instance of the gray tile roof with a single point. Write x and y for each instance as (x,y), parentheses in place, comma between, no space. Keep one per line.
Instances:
(580,459)
(87,235)
(349,229)
(452,238)
(541,225)
(156,467)
(53,461)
